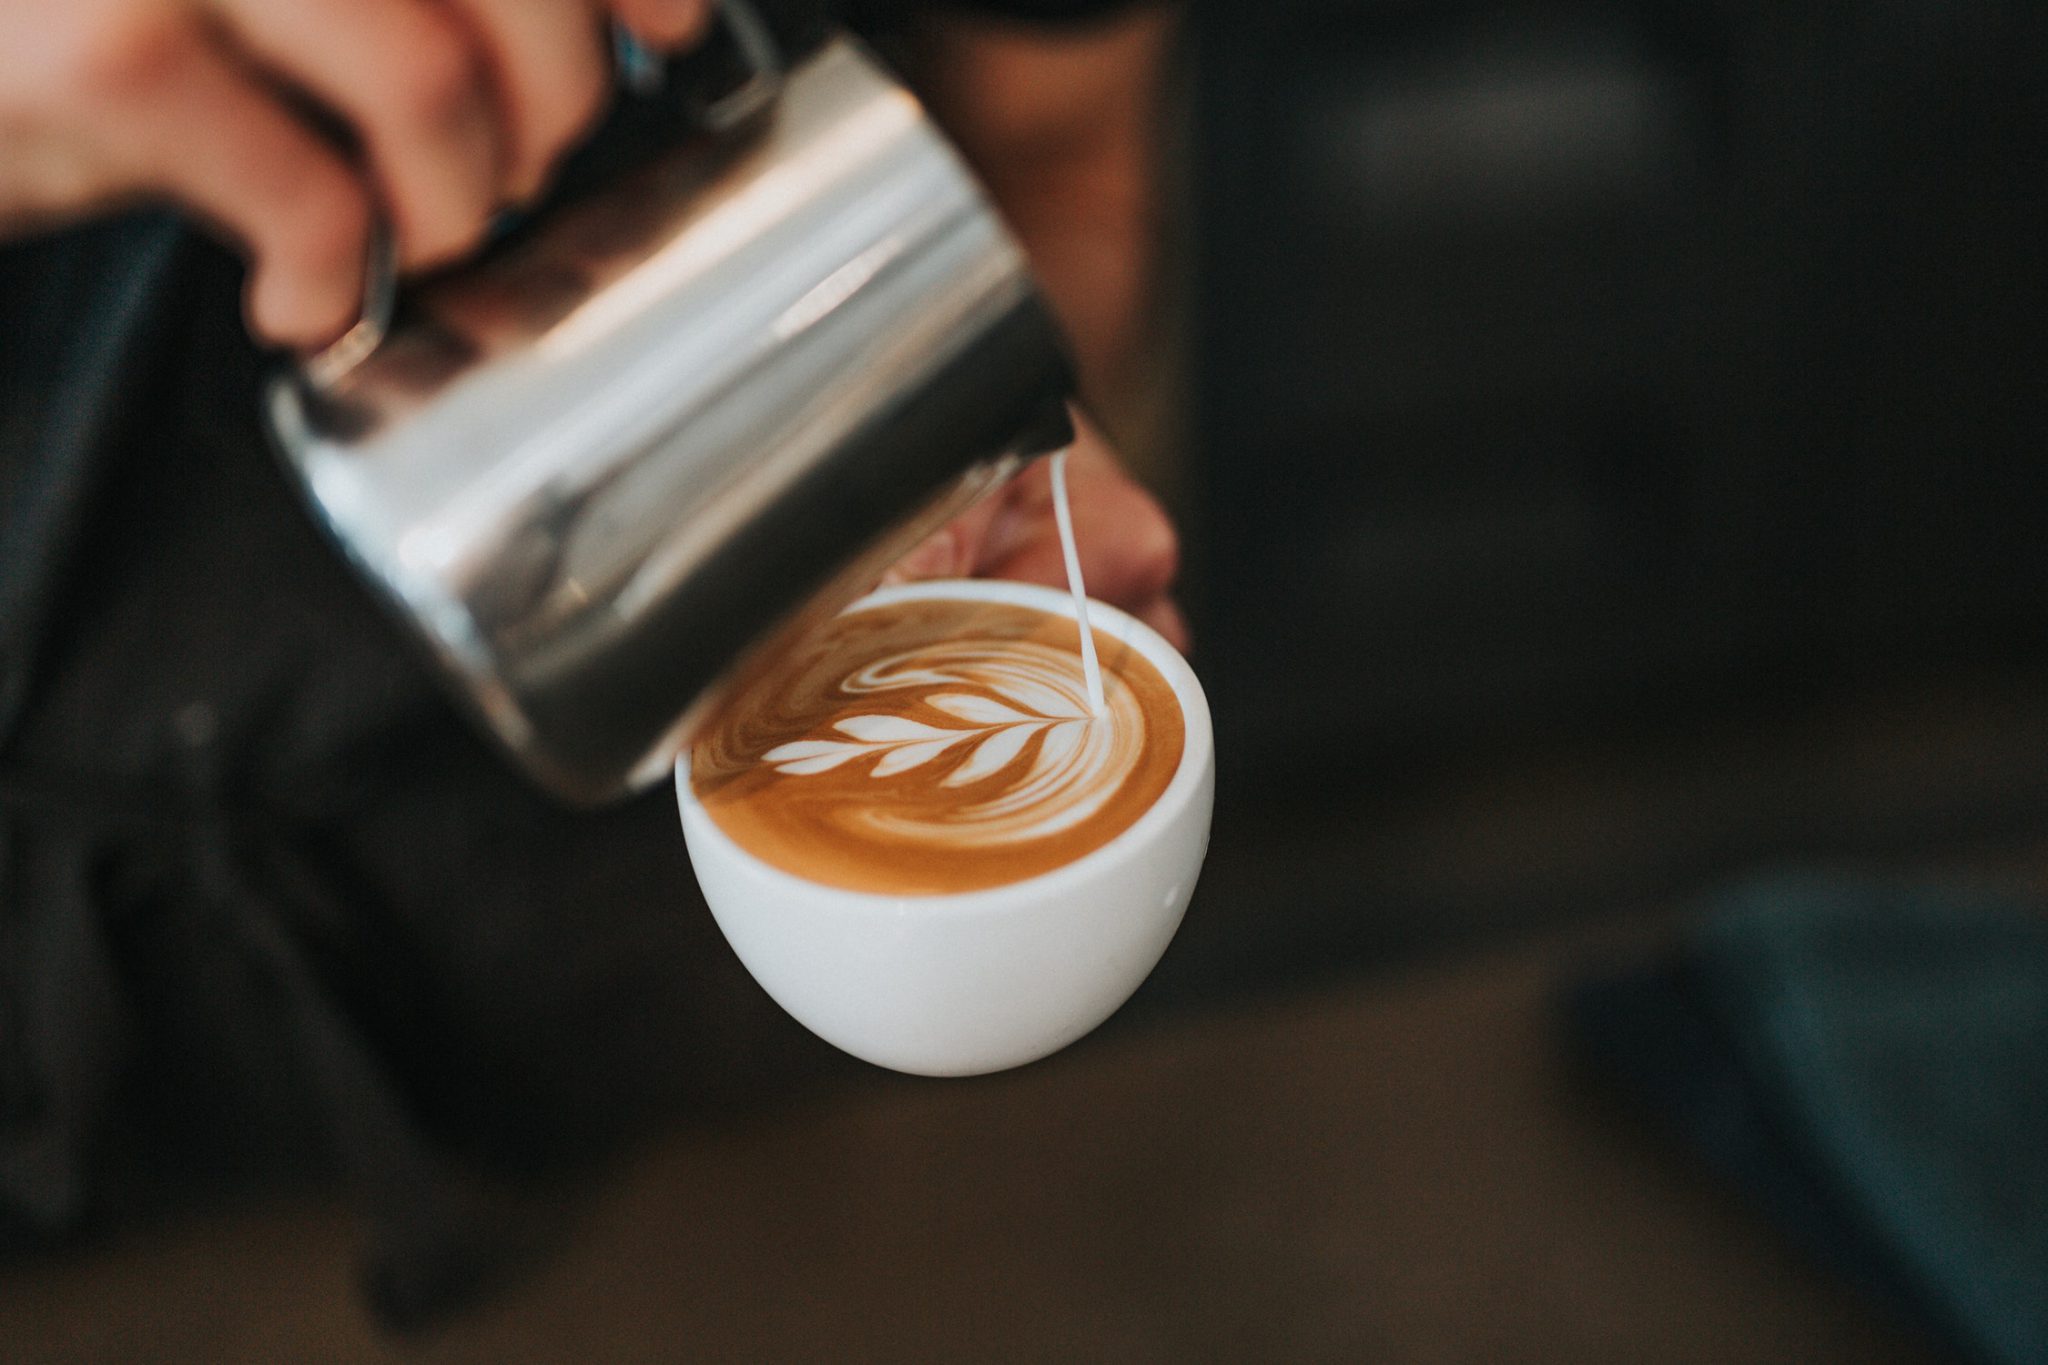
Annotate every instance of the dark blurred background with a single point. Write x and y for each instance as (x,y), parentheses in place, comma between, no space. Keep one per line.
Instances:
(1558,361)
(1615,446)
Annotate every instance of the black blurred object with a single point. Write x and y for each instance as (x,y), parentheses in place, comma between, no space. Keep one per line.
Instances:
(1871,1063)
(1563,359)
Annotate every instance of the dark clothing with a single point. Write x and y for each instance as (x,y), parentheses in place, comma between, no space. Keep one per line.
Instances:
(268,906)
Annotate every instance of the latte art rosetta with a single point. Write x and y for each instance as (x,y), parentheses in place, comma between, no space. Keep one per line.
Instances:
(1024,731)
(937,745)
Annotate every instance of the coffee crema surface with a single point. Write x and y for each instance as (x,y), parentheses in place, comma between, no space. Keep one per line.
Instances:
(937,745)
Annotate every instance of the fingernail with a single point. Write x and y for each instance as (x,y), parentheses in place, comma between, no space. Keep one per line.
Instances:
(665,29)
(1012,529)
(276,310)
(522,187)
(936,558)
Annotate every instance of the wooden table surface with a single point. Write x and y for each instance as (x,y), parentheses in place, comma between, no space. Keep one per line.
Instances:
(1405,1169)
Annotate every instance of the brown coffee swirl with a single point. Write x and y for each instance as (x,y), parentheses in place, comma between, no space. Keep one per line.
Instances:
(938,745)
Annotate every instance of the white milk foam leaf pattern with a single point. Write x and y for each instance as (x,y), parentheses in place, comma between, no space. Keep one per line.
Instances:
(936,745)
(1060,784)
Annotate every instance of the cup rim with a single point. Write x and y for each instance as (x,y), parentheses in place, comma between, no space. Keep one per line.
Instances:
(1197,749)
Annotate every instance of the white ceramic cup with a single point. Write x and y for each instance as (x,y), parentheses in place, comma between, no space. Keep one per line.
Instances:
(960,983)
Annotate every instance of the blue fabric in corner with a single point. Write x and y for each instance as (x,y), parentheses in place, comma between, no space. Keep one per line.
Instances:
(1871,1061)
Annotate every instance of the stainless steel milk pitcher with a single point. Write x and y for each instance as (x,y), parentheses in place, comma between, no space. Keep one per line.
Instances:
(600,466)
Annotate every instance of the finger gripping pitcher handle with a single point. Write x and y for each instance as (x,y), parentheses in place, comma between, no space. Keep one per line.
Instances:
(636,71)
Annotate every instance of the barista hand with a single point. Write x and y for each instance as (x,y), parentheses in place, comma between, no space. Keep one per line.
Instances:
(1127,545)
(1063,126)
(245,111)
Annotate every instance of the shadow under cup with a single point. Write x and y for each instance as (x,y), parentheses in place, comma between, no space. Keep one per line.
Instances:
(960,983)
